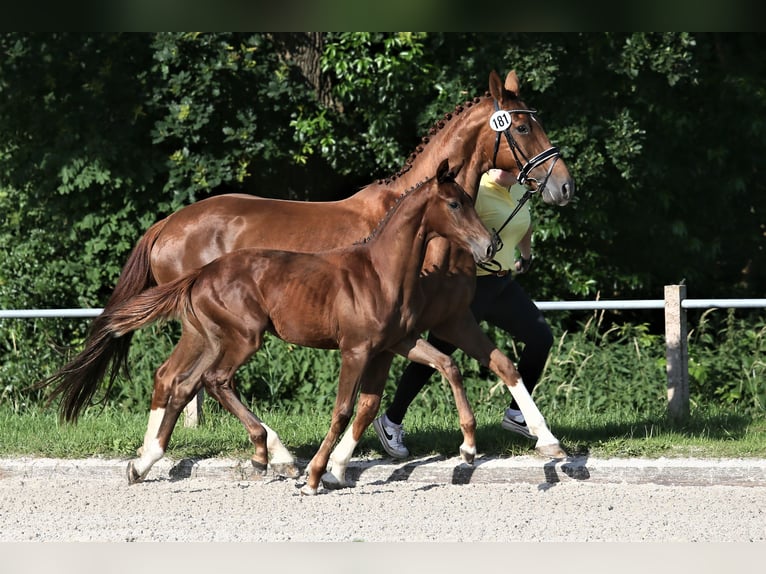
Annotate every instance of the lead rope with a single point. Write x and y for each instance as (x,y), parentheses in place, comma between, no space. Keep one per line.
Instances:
(494,266)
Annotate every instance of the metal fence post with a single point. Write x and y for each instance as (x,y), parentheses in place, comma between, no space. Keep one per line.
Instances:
(677,352)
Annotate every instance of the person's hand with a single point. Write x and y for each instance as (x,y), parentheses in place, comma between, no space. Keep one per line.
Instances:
(522,265)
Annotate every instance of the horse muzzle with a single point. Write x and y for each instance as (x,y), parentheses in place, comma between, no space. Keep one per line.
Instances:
(484,251)
(558,194)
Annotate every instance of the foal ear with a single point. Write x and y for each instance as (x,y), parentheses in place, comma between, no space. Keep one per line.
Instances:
(445,174)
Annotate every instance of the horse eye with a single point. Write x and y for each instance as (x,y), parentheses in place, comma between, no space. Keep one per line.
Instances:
(454,204)
(523,129)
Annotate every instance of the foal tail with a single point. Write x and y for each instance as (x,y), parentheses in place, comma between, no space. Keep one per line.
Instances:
(78,381)
(107,345)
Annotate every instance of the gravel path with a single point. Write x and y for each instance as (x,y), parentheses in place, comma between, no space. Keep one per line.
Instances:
(71,503)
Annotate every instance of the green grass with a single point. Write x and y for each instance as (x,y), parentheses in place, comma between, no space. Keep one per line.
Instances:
(709,432)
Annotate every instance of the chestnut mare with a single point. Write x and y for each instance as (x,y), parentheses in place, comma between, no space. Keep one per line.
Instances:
(497,130)
(364,300)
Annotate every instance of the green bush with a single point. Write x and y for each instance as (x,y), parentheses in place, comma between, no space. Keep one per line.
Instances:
(599,366)
(727,359)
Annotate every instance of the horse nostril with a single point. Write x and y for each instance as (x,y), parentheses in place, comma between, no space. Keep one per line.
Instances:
(568,190)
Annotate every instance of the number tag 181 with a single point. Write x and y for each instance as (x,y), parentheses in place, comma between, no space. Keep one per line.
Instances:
(500,120)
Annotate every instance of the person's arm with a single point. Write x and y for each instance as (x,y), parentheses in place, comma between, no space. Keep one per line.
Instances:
(525,251)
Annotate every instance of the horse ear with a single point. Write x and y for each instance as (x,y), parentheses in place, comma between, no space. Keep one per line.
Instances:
(512,82)
(495,85)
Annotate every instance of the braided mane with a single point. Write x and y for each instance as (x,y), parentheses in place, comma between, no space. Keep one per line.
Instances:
(438,126)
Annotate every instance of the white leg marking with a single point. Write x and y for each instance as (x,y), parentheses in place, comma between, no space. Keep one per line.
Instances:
(153,426)
(341,456)
(278,453)
(532,415)
(151,454)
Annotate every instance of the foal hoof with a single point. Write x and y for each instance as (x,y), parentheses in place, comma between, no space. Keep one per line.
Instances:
(286,469)
(551,451)
(306,490)
(467,454)
(133,475)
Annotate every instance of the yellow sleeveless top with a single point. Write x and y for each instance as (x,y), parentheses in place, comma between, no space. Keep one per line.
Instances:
(494,204)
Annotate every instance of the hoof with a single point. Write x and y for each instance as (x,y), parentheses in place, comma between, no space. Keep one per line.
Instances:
(133,475)
(306,490)
(467,454)
(286,469)
(331,482)
(551,451)
(258,467)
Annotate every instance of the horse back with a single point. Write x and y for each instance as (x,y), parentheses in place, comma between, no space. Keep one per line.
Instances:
(205,230)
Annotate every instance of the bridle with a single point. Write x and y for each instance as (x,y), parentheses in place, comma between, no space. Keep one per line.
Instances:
(501,122)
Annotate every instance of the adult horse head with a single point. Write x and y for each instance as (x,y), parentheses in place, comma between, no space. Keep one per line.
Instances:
(537,161)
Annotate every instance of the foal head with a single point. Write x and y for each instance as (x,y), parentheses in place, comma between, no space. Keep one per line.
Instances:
(452,215)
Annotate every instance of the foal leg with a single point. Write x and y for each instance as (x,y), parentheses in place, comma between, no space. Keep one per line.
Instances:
(179,376)
(219,382)
(281,459)
(353,365)
(465,333)
(160,397)
(421,351)
(367,407)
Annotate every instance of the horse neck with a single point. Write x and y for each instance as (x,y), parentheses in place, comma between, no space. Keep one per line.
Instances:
(398,248)
(457,137)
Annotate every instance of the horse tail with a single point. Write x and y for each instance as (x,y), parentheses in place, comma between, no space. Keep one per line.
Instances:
(78,381)
(136,276)
(107,354)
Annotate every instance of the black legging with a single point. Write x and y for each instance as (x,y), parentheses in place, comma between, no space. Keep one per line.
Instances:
(501,302)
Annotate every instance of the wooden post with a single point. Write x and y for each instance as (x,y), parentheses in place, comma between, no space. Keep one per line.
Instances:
(677,352)
(193,411)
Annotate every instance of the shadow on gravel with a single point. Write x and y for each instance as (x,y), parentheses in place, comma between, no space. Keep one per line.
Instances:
(182,469)
(399,471)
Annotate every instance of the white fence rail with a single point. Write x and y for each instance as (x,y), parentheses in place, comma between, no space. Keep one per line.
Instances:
(675,305)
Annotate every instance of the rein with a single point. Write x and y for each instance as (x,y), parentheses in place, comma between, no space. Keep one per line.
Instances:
(493,266)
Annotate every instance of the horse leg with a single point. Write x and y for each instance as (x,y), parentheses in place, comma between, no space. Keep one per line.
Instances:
(353,365)
(179,379)
(367,407)
(160,396)
(219,383)
(465,333)
(421,351)
(281,460)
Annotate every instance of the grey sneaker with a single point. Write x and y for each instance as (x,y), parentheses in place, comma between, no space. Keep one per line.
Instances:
(514,421)
(391,436)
